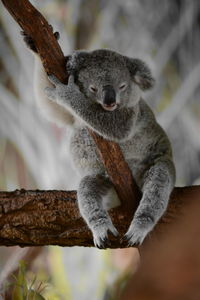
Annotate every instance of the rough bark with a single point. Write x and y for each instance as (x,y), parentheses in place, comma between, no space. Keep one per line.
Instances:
(36,218)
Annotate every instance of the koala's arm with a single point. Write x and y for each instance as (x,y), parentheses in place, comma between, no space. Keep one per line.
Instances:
(116,125)
(51,110)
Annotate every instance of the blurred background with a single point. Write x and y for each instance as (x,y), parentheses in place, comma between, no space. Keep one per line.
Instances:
(33,151)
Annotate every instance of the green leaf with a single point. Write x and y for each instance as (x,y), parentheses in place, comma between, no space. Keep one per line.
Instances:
(20,290)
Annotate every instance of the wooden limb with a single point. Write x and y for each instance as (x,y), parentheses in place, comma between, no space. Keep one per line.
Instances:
(35,25)
(37,218)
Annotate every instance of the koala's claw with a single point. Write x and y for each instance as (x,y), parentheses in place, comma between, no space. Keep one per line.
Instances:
(57,35)
(100,234)
(102,243)
(135,238)
(29,41)
(138,230)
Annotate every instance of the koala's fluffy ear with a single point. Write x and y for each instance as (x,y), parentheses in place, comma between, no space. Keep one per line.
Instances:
(77,61)
(140,73)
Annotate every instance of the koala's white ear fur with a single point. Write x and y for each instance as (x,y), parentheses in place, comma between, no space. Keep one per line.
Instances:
(140,73)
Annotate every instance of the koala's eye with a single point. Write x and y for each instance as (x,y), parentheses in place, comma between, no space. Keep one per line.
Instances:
(92,89)
(122,86)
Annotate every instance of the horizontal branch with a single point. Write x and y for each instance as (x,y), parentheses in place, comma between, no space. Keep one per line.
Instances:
(37,218)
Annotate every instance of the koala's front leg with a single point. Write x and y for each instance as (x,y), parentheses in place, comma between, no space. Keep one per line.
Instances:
(158,184)
(52,111)
(90,196)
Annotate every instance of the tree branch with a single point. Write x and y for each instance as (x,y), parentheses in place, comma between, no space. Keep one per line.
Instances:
(37,218)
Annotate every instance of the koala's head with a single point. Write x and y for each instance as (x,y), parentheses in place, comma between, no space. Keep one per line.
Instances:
(109,78)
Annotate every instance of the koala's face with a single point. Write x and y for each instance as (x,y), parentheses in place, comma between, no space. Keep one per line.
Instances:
(105,77)
(109,84)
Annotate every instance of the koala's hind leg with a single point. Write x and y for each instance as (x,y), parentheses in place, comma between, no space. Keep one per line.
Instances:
(90,195)
(157,185)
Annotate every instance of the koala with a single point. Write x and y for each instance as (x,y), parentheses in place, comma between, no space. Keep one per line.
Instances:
(104,93)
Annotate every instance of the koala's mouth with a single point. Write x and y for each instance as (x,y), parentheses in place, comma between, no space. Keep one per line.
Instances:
(109,107)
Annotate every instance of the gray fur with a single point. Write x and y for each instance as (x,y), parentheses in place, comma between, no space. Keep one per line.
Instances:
(130,122)
(90,192)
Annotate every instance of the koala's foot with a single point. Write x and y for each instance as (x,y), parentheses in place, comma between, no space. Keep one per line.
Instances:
(138,230)
(100,232)
(29,41)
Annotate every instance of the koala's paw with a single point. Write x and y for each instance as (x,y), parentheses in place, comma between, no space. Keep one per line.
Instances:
(51,93)
(56,33)
(138,230)
(100,233)
(29,41)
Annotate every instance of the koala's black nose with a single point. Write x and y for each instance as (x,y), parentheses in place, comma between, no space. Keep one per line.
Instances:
(109,95)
